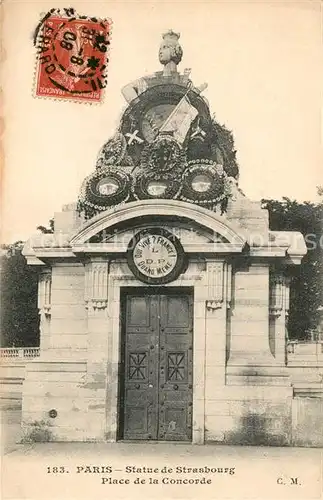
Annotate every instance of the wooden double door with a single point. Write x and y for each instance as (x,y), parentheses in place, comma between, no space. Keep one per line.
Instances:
(157,366)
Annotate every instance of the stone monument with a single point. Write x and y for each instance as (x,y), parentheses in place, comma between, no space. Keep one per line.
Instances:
(163,294)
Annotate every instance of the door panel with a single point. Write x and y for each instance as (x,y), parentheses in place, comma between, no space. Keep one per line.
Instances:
(139,360)
(176,361)
(140,314)
(176,312)
(157,361)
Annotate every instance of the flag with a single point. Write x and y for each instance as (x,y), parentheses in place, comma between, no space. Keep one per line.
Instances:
(179,121)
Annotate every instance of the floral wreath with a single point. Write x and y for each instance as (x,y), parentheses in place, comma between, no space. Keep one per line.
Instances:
(90,195)
(142,178)
(218,190)
(164,154)
(112,152)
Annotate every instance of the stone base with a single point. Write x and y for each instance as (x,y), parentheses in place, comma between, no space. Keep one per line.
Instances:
(60,405)
(262,374)
(307,421)
(247,414)
(251,415)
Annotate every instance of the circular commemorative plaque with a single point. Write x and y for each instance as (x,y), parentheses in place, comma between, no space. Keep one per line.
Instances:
(155,256)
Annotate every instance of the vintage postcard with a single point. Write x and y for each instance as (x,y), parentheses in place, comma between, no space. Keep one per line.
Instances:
(161,250)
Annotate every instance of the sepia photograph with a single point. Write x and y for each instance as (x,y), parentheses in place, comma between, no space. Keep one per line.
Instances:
(161,259)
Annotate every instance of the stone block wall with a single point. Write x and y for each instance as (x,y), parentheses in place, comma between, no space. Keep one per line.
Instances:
(62,386)
(59,379)
(307,421)
(12,374)
(68,314)
(251,415)
(249,337)
(249,215)
(54,386)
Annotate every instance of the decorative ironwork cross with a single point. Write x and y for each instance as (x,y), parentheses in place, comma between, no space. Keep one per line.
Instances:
(198,131)
(134,137)
(137,366)
(176,366)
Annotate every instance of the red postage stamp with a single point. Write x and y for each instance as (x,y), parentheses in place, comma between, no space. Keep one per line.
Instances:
(72,56)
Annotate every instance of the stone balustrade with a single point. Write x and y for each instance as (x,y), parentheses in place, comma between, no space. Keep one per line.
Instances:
(19,353)
(305,351)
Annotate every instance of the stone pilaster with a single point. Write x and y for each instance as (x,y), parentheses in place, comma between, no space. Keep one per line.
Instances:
(218,282)
(96,301)
(249,325)
(278,311)
(251,360)
(44,307)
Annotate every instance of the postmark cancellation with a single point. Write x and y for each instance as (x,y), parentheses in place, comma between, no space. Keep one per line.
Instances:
(72,56)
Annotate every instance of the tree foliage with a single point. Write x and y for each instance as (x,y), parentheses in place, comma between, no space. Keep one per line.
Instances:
(47,230)
(307,279)
(224,139)
(19,321)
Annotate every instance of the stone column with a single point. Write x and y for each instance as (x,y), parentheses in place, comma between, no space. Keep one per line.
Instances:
(44,307)
(278,310)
